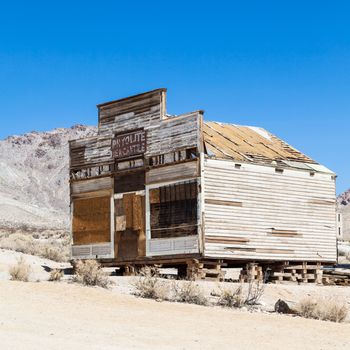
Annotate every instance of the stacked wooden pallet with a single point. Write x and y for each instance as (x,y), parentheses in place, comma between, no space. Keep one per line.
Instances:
(210,271)
(252,272)
(340,277)
(304,272)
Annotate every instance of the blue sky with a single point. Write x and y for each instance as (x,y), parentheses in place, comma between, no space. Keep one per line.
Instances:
(282,65)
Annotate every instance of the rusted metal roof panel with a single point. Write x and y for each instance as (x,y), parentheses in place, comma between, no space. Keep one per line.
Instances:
(249,144)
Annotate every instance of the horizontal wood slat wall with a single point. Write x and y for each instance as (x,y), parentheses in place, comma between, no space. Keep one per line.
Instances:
(172,172)
(289,216)
(91,185)
(164,134)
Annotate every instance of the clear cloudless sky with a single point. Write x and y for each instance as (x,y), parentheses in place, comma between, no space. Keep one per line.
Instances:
(282,65)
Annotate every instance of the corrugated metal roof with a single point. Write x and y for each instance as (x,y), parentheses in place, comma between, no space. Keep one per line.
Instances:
(249,144)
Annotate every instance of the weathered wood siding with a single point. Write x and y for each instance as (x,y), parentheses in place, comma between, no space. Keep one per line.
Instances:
(166,173)
(136,112)
(81,187)
(252,212)
(146,112)
(90,152)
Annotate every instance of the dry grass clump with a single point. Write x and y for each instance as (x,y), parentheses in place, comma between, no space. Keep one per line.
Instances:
(53,253)
(323,309)
(55,275)
(237,297)
(148,285)
(19,243)
(90,273)
(20,271)
(254,293)
(53,248)
(231,297)
(189,292)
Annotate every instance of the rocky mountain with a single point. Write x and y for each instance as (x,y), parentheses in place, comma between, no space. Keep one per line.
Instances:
(34,186)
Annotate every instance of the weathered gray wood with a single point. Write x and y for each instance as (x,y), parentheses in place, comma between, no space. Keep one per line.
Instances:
(164,134)
(298,207)
(172,172)
(91,185)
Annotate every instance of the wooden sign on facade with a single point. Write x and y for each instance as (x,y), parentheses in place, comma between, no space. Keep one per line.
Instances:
(129,144)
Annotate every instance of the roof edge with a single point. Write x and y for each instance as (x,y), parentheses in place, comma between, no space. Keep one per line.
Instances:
(131,97)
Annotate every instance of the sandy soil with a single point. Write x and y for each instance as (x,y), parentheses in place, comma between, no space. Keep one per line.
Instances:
(59,315)
(48,315)
(40,267)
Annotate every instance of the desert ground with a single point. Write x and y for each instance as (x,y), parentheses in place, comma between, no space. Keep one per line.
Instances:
(63,315)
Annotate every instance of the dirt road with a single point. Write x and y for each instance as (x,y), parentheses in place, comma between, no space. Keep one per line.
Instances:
(65,316)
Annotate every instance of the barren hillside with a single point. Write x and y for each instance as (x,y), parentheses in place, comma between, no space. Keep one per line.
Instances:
(34,178)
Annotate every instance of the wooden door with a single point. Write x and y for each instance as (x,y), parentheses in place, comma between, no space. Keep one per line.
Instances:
(130,237)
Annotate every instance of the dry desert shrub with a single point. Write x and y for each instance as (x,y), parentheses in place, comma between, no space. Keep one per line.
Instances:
(19,243)
(239,297)
(53,249)
(254,293)
(306,307)
(55,275)
(90,273)
(231,297)
(52,253)
(189,292)
(325,309)
(20,271)
(148,284)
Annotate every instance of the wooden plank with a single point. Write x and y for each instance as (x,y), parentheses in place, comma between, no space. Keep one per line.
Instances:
(91,220)
(128,210)
(91,185)
(172,172)
(223,202)
(225,240)
(128,182)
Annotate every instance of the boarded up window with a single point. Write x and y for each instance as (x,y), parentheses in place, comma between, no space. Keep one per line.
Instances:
(128,182)
(91,220)
(174,210)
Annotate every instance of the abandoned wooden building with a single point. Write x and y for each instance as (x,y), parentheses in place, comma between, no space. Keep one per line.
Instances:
(153,188)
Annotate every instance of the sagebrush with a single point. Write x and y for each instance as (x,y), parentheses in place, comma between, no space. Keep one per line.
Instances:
(189,292)
(231,297)
(326,309)
(90,273)
(53,246)
(254,292)
(20,271)
(56,275)
(148,285)
(239,297)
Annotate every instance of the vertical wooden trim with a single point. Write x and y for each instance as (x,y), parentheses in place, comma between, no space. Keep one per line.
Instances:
(98,119)
(202,203)
(112,225)
(336,219)
(200,138)
(148,221)
(71,227)
(163,105)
